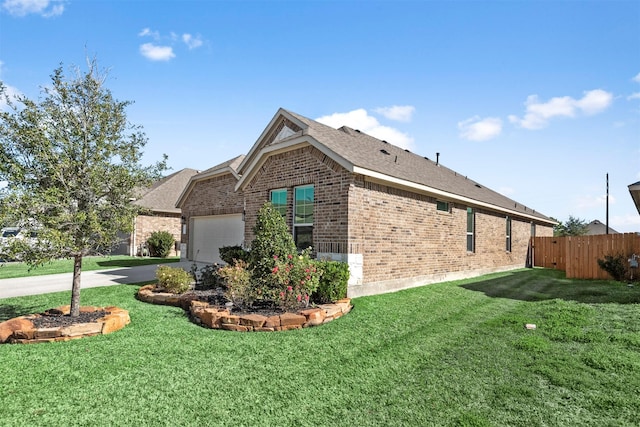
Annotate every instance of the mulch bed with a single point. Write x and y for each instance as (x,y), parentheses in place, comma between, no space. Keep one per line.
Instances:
(55,320)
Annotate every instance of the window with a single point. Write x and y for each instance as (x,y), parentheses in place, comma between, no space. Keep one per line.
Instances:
(442,206)
(303,216)
(471,230)
(508,234)
(279,201)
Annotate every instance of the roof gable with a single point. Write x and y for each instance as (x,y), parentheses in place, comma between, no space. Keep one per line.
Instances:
(229,167)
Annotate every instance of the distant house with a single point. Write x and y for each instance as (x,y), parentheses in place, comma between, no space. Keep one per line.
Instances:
(634,190)
(397,218)
(160,212)
(597,227)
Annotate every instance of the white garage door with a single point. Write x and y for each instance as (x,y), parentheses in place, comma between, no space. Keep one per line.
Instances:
(210,233)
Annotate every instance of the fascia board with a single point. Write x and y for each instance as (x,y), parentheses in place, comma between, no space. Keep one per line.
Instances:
(201,177)
(386,179)
(281,112)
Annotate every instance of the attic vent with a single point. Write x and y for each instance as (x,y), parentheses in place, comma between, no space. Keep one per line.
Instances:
(284,133)
(426,158)
(478,185)
(384,141)
(407,150)
(358,130)
(385,152)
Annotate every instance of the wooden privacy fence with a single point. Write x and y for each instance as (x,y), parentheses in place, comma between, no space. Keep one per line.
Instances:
(578,255)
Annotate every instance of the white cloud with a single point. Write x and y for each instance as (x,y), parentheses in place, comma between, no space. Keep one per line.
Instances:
(146,32)
(591,201)
(157,53)
(11,92)
(45,8)
(636,78)
(626,223)
(400,113)
(634,96)
(361,120)
(538,114)
(192,42)
(477,129)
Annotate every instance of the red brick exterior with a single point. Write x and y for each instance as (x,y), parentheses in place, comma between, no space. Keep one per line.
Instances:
(147,224)
(213,196)
(401,237)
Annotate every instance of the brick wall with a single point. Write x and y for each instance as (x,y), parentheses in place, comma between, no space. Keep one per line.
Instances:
(147,224)
(406,241)
(214,196)
(302,167)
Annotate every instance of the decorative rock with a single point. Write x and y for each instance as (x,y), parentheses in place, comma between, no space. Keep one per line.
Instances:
(41,333)
(314,316)
(230,319)
(331,309)
(272,322)
(253,320)
(232,327)
(289,319)
(10,326)
(81,329)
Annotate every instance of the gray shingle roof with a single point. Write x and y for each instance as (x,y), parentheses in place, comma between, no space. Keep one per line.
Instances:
(370,153)
(163,194)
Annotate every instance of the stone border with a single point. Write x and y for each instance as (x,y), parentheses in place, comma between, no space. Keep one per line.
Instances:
(21,330)
(216,317)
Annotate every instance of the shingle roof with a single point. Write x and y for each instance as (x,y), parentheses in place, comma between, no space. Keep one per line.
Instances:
(163,194)
(367,152)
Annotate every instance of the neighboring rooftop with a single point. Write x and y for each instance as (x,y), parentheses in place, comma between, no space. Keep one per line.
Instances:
(163,194)
(597,227)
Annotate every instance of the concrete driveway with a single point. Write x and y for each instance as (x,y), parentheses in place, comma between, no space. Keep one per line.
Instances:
(90,279)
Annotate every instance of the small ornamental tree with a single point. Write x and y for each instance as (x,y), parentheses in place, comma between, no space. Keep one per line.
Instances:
(71,165)
(160,243)
(272,238)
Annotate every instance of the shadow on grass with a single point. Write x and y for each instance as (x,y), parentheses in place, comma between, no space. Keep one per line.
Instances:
(545,284)
(135,262)
(10,311)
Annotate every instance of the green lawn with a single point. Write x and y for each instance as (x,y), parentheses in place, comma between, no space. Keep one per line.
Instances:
(11,270)
(449,354)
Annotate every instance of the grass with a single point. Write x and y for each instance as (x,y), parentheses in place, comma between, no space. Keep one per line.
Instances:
(449,354)
(12,270)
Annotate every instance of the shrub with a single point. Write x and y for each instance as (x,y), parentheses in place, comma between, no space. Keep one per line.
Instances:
(208,277)
(296,278)
(615,265)
(175,280)
(333,282)
(160,243)
(272,239)
(239,290)
(229,254)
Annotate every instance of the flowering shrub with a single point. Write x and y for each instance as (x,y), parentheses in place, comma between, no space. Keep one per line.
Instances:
(238,280)
(295,278)
(176,280)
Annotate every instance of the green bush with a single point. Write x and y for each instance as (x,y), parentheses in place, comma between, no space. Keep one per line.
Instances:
(175,280)
(208,277)
(229,254)
(296,278)
(333,282)
(160,243)
(615,265)
(239,290)
(272,239)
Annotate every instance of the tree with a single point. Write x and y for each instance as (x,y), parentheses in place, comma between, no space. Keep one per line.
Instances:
(71,165)
(572,227)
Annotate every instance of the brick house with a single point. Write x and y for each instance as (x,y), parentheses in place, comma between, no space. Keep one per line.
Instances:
(398,219)
(159,212)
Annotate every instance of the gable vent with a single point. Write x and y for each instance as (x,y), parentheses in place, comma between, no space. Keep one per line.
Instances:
(385,152)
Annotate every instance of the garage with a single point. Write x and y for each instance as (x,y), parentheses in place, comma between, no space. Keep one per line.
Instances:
(210,233)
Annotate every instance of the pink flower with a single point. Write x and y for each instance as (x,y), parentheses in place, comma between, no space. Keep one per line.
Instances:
(282,295)
(289,288)
(306,297)
(275,270)
(290,256)
(299,297)
(275,257)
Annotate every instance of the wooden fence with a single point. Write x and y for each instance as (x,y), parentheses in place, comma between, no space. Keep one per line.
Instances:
(578,255)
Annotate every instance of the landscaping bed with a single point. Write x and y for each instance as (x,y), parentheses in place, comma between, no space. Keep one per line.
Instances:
(208,308)
(56,325)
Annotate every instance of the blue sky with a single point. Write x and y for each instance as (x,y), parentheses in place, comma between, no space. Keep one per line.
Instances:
(537,100)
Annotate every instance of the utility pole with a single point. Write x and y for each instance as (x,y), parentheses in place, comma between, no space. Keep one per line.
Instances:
(607,203)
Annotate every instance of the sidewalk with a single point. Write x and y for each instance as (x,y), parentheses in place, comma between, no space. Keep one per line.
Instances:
(90,279)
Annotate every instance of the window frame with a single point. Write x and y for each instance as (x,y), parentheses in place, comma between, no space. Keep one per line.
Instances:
(444,204)
(307,227)
(508,233)
(281,208)
(471,230)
